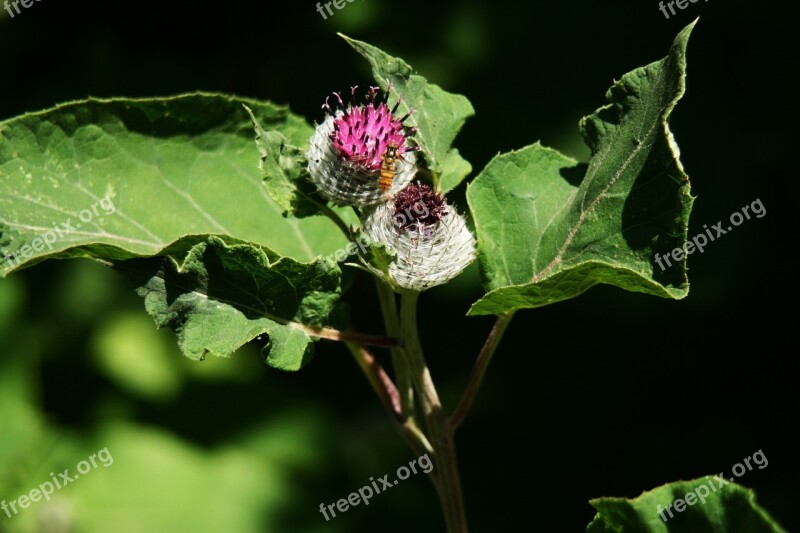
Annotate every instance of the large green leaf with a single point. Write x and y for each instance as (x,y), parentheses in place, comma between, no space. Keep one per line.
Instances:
(548,229)
(438,115)
(146,184)
(164,167)
(716,505)
(217,294)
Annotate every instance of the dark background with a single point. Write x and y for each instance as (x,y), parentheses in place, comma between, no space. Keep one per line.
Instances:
(609,394)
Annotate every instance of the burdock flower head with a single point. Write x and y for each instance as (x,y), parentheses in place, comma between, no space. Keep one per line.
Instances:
(431,240)
(361,148)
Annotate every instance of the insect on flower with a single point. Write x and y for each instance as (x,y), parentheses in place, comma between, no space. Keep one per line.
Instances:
(362,152)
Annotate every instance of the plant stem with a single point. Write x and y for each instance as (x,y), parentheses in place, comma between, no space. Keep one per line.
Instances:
(440,432)
(390,398)
(391,321)
(416,390)
(348,336)
(479,370)
(331,214)
(381,383)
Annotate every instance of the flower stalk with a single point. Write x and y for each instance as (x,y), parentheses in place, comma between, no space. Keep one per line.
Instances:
(440,432)
(361,156)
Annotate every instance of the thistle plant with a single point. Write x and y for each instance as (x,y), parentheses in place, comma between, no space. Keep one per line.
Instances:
(346,150)
(430,240)
(224,270)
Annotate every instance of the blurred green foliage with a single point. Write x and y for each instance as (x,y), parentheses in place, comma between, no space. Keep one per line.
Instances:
(159,480)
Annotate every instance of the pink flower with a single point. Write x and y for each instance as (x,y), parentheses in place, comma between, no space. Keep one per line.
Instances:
(362,133)
(348,148)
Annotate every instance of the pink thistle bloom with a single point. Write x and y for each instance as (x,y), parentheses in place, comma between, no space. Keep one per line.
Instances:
(348,148)
(364,132)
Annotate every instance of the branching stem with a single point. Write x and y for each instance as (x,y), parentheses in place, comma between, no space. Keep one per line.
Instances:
(479,370)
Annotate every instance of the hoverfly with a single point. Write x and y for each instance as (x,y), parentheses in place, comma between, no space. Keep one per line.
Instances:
(388,166)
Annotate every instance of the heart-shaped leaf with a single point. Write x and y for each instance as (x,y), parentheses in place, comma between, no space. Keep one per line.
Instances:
(120,178)
(169,191)
(549,229)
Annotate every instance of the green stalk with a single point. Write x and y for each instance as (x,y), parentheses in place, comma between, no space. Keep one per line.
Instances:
(390,398)
(391,321)
(479,370)
(440,432)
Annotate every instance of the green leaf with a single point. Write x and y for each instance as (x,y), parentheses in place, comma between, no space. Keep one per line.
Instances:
(143,173)
(729,507)
(376,257)
(284,170)
(438,115)
(549,229)
(456,168)
(219,293)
